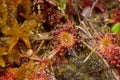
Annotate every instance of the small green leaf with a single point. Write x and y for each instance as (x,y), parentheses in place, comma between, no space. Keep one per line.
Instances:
(64,7)
(66,16)
(116,28)
(62,4)
(2,62)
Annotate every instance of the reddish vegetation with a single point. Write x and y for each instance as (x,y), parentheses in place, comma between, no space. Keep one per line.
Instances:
(110,50)
(8,75)
(66,37)
(89,3)
(116,15)
(55,39)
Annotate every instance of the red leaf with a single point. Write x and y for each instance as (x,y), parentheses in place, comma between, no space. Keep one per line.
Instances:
(116,15)
(86,3)
(89,3)
(99,5)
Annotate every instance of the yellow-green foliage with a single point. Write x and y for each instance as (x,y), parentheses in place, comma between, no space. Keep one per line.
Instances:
(3,13)
(16,32)
(2,52)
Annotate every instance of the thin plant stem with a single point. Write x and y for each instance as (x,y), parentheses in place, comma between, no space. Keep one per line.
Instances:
(39,47)
(89,54)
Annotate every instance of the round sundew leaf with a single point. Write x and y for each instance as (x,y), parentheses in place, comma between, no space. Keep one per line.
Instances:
(116,28)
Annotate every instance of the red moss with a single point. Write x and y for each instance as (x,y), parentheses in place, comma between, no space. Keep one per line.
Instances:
(49,12)
(8,75)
